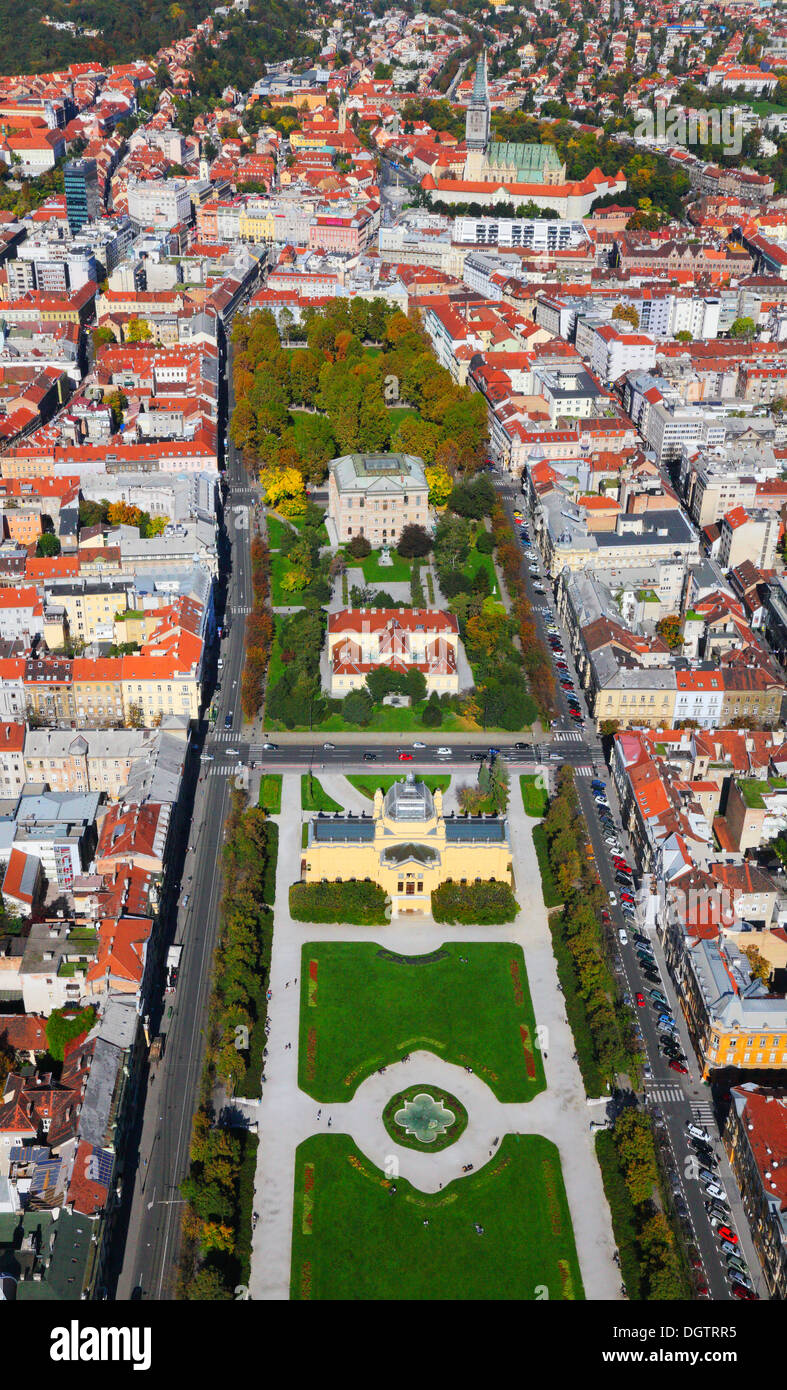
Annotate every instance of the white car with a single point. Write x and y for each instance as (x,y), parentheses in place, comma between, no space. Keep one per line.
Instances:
(444,752)
(622,938)
(697,1132)
(613,899)
(418,744)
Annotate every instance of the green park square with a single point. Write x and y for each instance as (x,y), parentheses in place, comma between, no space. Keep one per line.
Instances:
(364,1007)
(353,1238)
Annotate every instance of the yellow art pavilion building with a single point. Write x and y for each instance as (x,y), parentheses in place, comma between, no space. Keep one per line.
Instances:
(407,846)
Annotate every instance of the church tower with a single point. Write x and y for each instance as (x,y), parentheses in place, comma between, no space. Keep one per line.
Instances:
(477,123)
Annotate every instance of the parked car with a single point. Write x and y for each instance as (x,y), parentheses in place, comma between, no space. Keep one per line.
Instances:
(715,1190)
(622,937)
(740,1291)
(697,1131)
(675,1065)
(728,1234)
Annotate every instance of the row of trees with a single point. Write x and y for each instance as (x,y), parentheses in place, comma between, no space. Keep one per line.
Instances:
(578,929)
(535,658)
(259,632)
(650,1259)
(216,1222)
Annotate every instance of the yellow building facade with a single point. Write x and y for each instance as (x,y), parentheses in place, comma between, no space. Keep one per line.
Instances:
(408,847)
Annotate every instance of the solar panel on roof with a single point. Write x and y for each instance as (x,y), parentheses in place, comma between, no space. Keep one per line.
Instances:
(106,1161)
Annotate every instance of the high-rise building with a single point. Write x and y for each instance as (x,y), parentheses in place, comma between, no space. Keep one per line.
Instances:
(83,203)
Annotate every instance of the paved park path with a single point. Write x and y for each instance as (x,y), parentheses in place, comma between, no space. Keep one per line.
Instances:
(287,1115)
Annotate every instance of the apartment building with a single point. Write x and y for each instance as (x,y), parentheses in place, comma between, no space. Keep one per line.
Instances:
(91,606)
(755,1137)
(748,534)
(732,1019)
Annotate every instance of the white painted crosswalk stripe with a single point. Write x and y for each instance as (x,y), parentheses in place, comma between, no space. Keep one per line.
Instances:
(666,1095)
(583,771)
(570,736)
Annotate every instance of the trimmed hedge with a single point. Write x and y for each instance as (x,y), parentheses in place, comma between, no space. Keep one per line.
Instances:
(355,902)
(487,903)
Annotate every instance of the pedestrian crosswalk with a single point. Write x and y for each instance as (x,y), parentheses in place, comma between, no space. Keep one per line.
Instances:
(702,1110)
(665,1093)
(224,735)
(570,736)
(584,771)
(241,610)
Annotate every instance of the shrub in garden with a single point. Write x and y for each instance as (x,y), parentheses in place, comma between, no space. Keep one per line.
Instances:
(474,904)
(354,902)
(359,547)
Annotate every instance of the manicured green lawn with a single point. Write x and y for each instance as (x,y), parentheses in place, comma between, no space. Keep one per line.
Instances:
(385,719)
(363,1007)
(356,1239)
(398,413)
(270,793)
(534,798)
(398,572)
(276,529)
(475,562)
(314,797)
(280,597)
(368,784)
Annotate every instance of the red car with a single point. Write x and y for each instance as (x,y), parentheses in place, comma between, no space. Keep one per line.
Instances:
(405,757)
(727,1234)
(605,917)
(694,1257)
(678,1066)
(641,1000)
(738,1291)
(702,1289)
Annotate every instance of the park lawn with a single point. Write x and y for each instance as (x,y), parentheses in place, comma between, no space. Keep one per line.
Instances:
(534,797)
(385,719)
(398,413)
(270,793)
(477,561)
(314,797)
(398,572)
(276,530)
(363,1007)
(368,784)
(355,1239)
(280,597)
